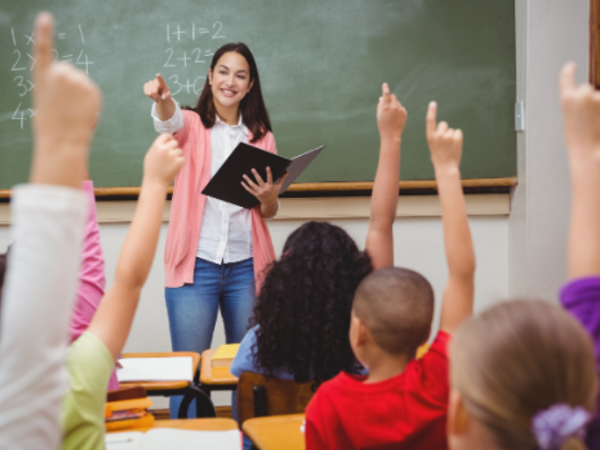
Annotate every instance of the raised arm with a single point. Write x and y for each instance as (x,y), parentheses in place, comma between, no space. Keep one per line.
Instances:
(48,225)
(113,319)
(581,109)
(391,118)
(445,145)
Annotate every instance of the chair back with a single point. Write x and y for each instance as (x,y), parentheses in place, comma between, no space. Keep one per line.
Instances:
(258,395)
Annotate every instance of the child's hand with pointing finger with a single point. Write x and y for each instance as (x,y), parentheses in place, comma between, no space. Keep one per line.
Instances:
(391,115)
(67,103)
(445,144)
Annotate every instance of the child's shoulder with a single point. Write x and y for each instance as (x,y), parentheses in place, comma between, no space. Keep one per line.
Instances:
(435,357)
(429,374)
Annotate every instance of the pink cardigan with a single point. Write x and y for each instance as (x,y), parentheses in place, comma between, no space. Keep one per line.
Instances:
(187,207)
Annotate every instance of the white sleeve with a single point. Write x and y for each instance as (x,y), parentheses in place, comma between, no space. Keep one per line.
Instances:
(170,126)
(278,208)
(39,292)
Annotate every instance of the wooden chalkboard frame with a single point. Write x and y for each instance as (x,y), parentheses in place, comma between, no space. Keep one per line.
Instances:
(311,188)
(595,43)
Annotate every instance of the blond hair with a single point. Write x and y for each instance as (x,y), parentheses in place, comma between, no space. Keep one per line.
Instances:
(517,359)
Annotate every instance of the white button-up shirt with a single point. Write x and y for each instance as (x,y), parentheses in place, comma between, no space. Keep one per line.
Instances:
(226,230)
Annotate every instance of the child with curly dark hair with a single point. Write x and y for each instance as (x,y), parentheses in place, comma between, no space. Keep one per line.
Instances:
(302,314)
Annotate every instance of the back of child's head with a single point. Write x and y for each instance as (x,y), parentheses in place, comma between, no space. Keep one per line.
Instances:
(396,307)
(303,308)
(525,370)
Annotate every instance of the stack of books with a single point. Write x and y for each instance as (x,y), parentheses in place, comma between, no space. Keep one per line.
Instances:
(128,414)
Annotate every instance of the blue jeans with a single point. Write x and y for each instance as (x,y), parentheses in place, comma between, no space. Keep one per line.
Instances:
(193,308)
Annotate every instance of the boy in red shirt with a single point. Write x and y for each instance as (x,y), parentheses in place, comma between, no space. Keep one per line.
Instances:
(403,402)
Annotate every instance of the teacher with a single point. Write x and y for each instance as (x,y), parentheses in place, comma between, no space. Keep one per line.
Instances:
(215,252)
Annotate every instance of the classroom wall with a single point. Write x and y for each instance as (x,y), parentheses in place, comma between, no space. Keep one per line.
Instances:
(549,33)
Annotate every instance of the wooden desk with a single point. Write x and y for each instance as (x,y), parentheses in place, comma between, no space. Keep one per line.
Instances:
(191,424)
(276,432)
(189,390)
(218,379)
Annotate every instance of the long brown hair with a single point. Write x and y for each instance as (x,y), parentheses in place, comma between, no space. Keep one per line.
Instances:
(252,107)
(517,359)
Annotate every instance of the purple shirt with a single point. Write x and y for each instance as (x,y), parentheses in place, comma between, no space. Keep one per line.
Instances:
(581,297)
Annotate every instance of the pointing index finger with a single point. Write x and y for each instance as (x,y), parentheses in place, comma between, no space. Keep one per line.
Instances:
(161,80)
(567,78)
(431,118)
(385,89)
(43,45)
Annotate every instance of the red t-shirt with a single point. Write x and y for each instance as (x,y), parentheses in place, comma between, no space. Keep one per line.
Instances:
(407,411)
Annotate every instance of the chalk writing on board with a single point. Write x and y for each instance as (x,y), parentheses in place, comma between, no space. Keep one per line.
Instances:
(23,63)
(190,87)
(198,52)
(186,60)
(174,33)
(81,33)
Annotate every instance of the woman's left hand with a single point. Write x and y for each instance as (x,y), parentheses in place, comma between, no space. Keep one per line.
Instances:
(265,191)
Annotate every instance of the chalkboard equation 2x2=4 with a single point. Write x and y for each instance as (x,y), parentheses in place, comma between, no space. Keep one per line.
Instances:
(177,59)
(24,62)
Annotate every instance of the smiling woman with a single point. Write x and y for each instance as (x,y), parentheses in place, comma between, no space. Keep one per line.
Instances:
(215,252)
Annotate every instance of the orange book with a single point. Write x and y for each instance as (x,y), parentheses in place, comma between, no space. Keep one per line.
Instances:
(136,404)
(143,422)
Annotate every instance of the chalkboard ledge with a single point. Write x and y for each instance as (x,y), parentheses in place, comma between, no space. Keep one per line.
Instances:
(415,187)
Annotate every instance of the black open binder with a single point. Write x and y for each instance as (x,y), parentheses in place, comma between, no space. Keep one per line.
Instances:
(226,184)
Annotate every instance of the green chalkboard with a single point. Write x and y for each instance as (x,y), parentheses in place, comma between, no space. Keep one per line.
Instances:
(321,64)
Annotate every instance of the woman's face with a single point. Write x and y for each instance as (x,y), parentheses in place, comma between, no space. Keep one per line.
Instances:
(230,80)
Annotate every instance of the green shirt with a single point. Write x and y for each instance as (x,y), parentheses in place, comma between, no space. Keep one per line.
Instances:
(82,416)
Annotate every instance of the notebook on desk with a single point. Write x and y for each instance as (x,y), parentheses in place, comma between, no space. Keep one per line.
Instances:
(226,184)
(155,369)
(168,438)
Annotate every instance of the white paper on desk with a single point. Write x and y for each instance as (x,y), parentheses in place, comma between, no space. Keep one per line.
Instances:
(124,441)
(155,369)
(169,438)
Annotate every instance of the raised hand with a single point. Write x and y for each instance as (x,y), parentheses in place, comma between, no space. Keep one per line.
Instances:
(581,110)
(163,160)
(391,115)
(67,104)
(445,144)
(445,147)
(157,89)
